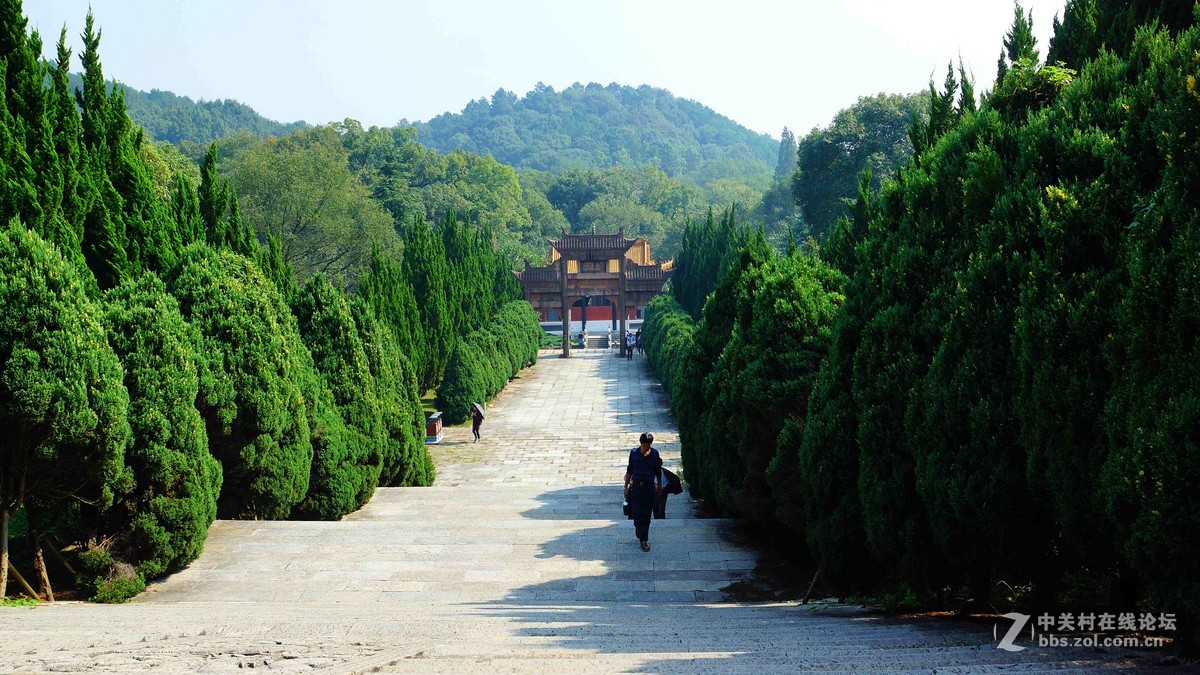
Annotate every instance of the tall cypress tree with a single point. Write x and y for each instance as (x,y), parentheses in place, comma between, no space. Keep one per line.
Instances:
(343,478)
(427,272)
(1019,43)
(176,480)
(18,198)
(104,236)
(237,232)
(104,239)
(36,118)
(391,298)
(213,199)
(66,131)
(406,459)
(65,406)
(92,99)
(152,239)
(786,163)
(270,260)
(185,208)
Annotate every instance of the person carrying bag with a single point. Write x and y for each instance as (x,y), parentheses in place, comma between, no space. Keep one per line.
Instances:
(643,485)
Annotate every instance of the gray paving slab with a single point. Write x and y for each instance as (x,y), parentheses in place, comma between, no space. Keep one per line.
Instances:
(516,560)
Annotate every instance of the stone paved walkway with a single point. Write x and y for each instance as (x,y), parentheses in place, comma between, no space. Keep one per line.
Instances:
(516,561)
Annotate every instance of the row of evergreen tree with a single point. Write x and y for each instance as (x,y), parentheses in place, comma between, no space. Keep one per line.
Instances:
(485,359)
(993,372)
(159,365)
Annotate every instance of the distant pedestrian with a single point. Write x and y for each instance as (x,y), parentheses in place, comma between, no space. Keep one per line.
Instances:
(629,343)
(643,485)
(638,341)
(476,420)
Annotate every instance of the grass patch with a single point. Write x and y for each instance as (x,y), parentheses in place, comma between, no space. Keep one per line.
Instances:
(429,402)
(18,602)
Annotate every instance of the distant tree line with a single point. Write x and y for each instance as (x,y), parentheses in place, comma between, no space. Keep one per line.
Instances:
(171,118)
(542,182)
(990,373)
(172,350)
(484,360)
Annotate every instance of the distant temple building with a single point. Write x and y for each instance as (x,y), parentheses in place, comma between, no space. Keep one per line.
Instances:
(594,276)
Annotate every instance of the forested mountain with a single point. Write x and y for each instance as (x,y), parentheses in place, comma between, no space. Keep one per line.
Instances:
(174,118)
(605,156)
(595,127)
(589,156)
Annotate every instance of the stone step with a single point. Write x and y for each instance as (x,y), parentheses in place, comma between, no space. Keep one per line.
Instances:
(531,503)
(517,561)
(450,544)
(526,637)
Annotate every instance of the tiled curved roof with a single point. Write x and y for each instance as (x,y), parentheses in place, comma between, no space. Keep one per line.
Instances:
(574,242)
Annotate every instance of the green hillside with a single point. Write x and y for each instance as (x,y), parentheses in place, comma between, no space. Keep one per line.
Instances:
(173,118)
(596,126)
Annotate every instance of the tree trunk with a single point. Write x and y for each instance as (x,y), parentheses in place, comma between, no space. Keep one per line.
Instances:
(39,565)
(4,516)
(811,586)
(49,542)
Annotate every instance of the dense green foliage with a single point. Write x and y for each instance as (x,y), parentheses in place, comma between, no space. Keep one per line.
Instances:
(645,202)
(406,460)
(1089,25)
(487,358)
(667,160)
(175,480)
(1009,389)
(387,291)
(871,134)
(240,393)
(428,271)
(668,334)
(300,190)
(706,249)
(253,404)
(176,119)
(746,368)
(594,127)
(347,448)
(62,402)
(637,158)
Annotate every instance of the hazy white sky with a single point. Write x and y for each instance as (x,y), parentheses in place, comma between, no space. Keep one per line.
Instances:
(765,64)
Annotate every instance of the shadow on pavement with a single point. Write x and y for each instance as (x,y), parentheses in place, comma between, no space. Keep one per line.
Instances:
(667,608)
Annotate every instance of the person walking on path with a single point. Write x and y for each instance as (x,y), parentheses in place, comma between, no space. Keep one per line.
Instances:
(638,341)
(629,341)
(476,420)
(643,484)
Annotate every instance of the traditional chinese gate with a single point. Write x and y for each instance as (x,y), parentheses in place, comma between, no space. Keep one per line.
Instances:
(586,267)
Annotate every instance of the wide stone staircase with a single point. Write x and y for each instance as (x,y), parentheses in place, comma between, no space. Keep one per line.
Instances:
(467,543)
(517,560)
